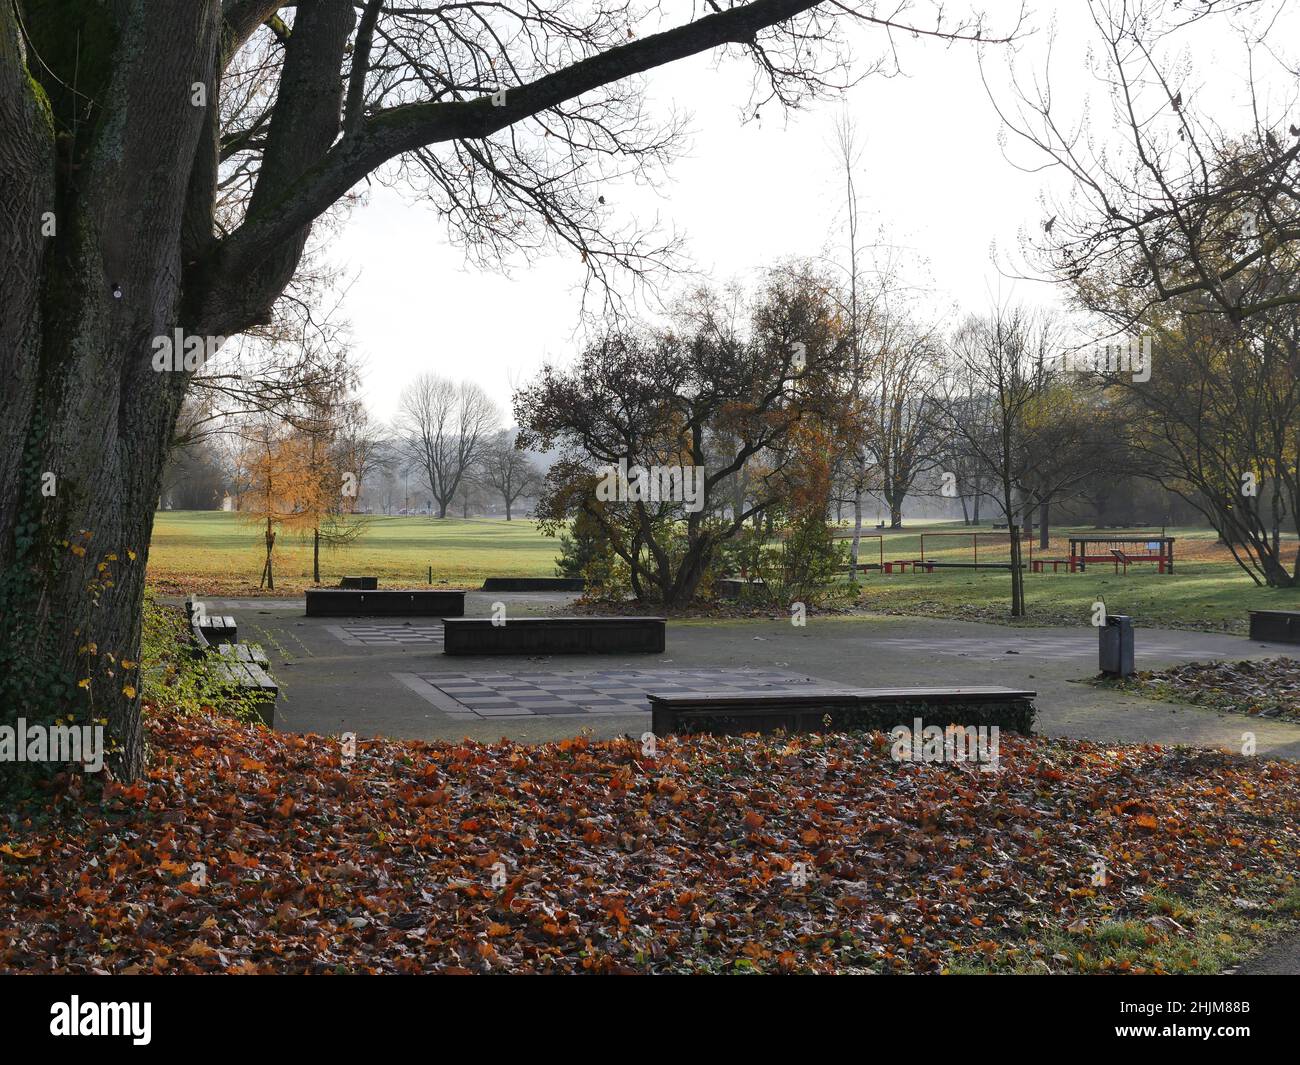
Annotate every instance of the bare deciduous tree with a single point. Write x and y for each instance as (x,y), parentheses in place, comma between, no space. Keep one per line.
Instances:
(446,428)
(508,470)
(998,366)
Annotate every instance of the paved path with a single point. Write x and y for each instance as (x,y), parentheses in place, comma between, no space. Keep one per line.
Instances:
(1281,959)
(385,676)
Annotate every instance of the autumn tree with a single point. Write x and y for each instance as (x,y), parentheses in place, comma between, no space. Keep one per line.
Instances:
(1165,201)
(1187,234)
(341,445)
(717,391)
(997,367)
(1216,422)
(902,432)
(280,485)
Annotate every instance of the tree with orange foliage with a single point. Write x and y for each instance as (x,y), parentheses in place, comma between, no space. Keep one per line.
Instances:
(281,484)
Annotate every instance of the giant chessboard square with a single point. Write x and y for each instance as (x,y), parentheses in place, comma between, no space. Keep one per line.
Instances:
(379,635)
(609,691)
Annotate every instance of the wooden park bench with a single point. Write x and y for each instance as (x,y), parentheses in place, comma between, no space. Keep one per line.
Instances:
(350,602)
(1275,626)
(240,667)
(368,584)
(824,709)
(244,652)
(1037,564)
(209,630)
(534,584)
(554,636)
(249,678)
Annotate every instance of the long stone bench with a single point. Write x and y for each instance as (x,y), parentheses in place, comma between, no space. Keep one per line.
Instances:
(1275,626)
(553,636)
(348,602)
(825,709)
(534,584)
(735,587)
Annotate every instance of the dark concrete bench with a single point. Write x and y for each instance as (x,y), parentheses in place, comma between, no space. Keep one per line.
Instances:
(734,587)
(1275,626)
(824,709)
(553,636)
(368,584)
(534,584)
(249,678)
(349,602)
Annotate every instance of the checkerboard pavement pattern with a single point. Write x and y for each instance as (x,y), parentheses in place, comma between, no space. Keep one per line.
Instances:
(611,691)
(386,634)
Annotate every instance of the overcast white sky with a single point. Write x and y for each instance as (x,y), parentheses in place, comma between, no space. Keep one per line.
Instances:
(745,195)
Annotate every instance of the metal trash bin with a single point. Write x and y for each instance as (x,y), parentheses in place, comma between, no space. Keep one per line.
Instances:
(1115,646)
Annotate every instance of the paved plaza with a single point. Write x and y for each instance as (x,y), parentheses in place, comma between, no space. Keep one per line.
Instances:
(388,676)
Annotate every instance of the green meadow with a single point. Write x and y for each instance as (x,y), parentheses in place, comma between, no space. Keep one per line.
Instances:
(217,553)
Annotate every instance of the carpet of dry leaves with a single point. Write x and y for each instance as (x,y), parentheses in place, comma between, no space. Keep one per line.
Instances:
(612,861)
(1260,687)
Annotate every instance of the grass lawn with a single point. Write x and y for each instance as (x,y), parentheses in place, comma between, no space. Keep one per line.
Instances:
(216,553)
(1211,596)
(1207,590)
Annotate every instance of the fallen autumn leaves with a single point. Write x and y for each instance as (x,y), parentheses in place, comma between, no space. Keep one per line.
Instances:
(1258,687)
(616,862)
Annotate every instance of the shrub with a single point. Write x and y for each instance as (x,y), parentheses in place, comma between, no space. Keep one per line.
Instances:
(802,568)
(586,552)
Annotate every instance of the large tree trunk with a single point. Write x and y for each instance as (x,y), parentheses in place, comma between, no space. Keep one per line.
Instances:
(80,310)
